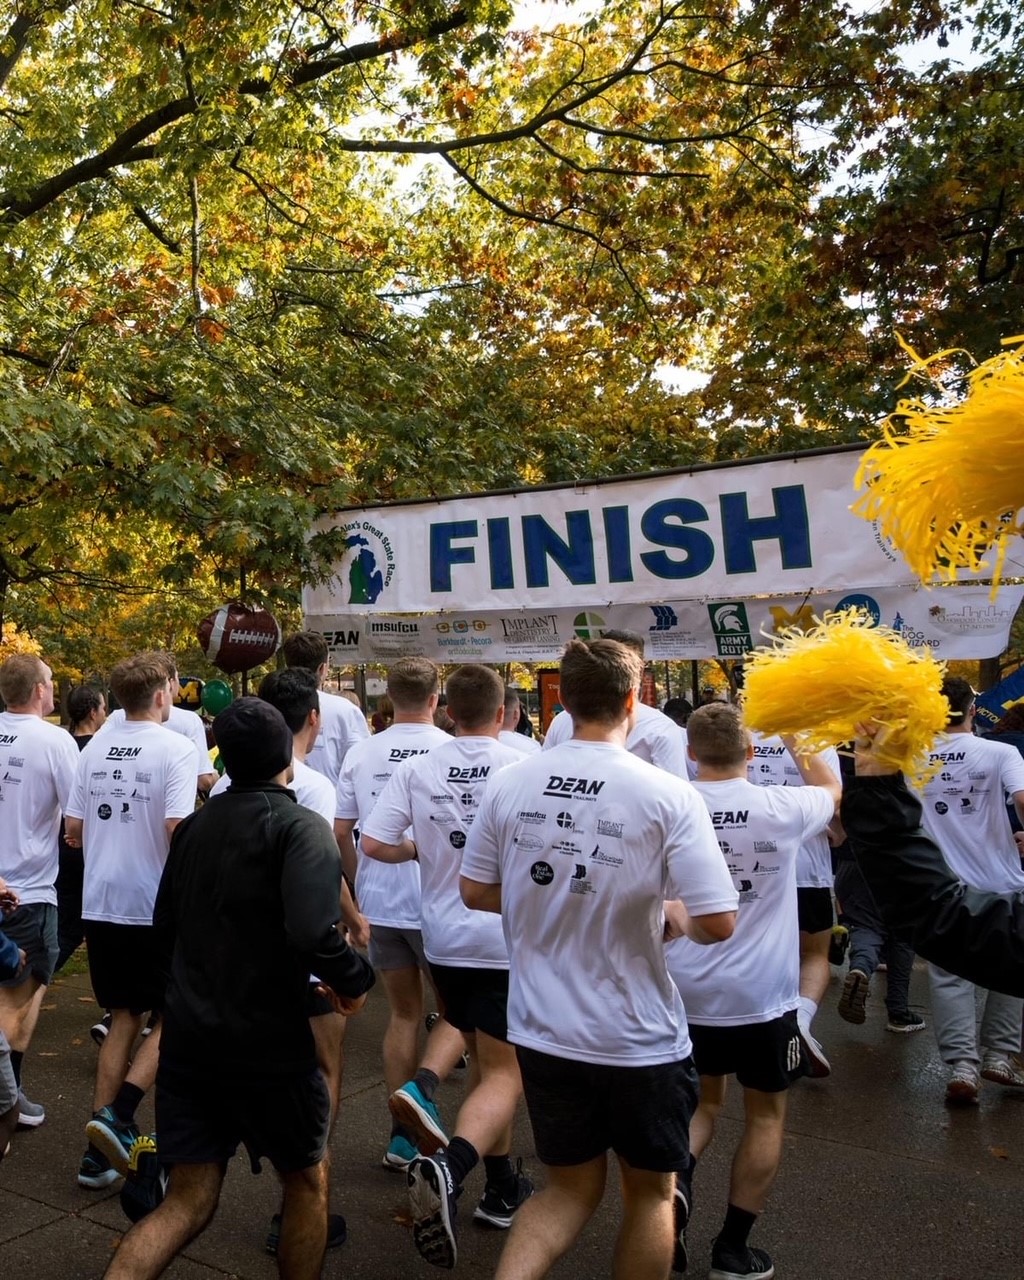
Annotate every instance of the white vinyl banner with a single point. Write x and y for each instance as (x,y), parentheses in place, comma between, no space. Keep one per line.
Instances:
(954,622)
(780,527)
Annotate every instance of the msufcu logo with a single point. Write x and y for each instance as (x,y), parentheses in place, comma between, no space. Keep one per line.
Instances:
(368,561)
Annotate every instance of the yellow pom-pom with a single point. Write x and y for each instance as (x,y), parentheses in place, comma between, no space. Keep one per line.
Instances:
(819,685)
(948,491)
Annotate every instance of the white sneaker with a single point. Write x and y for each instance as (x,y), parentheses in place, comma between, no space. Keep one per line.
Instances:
(999,1068)
(962,1085)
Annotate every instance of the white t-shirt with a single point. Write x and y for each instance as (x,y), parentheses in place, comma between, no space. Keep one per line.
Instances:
(388,892)
(773,766)
(341,725)
(654,738)
(963,809)
(182,721)
(127,784)
(36,772)
(312,791)
(438,795)
(519,742)
(753,976)
(587,842)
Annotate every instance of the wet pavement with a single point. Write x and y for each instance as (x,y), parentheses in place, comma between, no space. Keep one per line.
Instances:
(878,1179)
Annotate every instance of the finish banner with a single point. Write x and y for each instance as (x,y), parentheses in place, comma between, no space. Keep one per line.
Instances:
(953,622)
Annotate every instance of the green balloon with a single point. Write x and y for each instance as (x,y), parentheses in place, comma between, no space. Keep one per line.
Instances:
(216,696)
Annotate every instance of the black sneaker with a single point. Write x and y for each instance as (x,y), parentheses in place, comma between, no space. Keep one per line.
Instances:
(853,1001)
(145,1183)
(730,1266)
(681,1203)
(905,1020)
(337,1233)
(432,1197)
(498,1209)
(99,1030)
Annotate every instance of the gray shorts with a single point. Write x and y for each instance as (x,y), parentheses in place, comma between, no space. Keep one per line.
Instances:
(33,926)
(396,948)
(8,1089)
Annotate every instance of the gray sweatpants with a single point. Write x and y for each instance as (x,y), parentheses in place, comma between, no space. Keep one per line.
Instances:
(955,1019)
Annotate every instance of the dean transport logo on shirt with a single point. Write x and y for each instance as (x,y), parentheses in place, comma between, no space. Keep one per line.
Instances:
(581,787)
(730,817)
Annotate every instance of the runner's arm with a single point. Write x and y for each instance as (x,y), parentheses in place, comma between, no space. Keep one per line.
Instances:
(480,897)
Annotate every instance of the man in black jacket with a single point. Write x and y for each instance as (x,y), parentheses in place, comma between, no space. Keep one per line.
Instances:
(974,933)
(247,909)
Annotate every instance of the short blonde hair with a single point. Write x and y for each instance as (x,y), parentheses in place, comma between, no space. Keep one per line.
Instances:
(717,736)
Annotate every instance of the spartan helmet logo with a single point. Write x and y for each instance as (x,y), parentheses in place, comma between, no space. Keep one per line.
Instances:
(727,617)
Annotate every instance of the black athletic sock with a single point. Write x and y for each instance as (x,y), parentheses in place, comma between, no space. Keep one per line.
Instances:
(16,1059)
(462,1159)
(737,1226)
(127,1102)
(426,1081)
(500,1175)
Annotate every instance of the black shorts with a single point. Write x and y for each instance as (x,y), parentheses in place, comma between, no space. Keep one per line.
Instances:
(34,928)
(578,1110)
(124,966)
(766,1056)
(814,910)
(202,1117)
(474,999)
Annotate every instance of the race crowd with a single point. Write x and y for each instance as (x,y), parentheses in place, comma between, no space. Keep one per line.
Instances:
(610,925)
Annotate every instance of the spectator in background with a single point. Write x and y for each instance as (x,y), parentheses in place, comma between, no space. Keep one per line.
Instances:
(384,716)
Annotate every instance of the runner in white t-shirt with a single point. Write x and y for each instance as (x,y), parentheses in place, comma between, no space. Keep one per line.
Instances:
(964,811)
(182,721)
(36,771)
(438,796)
(341,722)
(133,785)
(742,998)
(578,849)
(389,895)
(508,735)
(773,765)
(653,736)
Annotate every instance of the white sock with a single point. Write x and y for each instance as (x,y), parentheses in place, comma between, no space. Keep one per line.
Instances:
(805,1014)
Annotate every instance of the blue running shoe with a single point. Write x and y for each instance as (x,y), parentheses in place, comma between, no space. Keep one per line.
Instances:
(95,1172)
(113,1137)
(420,1116)
(400,1154)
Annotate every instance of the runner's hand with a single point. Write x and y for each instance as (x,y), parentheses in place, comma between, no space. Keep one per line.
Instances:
(346,1005)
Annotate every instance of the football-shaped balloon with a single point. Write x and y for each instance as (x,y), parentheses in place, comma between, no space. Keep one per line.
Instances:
(237,637)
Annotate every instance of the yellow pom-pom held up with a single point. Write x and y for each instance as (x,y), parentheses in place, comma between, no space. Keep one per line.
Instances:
(818,686)
(946,483)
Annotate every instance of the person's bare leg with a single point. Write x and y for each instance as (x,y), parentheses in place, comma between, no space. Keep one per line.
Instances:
(329,1041)
(757,1157)
(151,1245)
(702,1126)
(142,1071)
(404,991)
(548,1224)
(485,1117)
(114,1056)
(643,1250)
(300,1251)
(445,1046)
(815,974)
(19,1012)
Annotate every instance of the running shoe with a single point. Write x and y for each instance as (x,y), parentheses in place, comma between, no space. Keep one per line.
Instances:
(400,1154)
(145,1184)
(962,1085)
(432,1197)
(838,944)
(95,1172)
(818,1066)
(751,1262)
(30,1114)
(337,1233)
(681,1201)
(151,1022)
(904,1020)
(113,1137)
(420,1116)
(855,997)
(99,1030)
(497,1209)
(998,1068)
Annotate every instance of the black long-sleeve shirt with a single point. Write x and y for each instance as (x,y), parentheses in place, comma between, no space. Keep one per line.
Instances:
(247,910)
(971,932)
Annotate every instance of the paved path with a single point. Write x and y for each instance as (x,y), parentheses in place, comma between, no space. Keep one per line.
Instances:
(878,1179)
